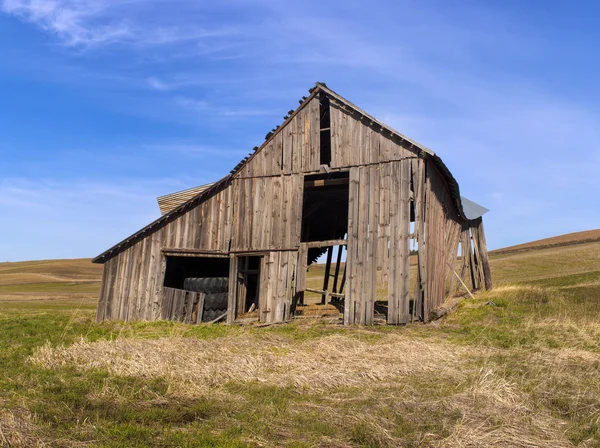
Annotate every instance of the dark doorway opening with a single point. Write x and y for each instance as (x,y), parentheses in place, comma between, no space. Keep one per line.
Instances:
(179,268)
(248,284)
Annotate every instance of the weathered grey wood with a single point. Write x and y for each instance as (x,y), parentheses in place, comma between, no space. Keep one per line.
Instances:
(327,243)
(325,292)
(403,264)
(327,272)
(232,291)
(483,254)
(200,314)
(352,248)
(338,262)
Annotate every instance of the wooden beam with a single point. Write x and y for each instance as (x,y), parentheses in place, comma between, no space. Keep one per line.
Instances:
(194,253)
(312,244)
(318,291)
(337,268)
(327,271)
(325,182)
(483,256)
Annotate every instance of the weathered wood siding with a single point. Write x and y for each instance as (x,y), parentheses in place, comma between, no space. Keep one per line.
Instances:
(354,142)
(267,212)
(132,289)
(277,285)
(442,234)
(378,239)
(294,149)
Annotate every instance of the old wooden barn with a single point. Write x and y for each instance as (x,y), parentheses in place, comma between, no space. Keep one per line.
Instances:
(330,182)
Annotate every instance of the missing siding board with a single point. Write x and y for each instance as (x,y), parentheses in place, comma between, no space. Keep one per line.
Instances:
(325,131)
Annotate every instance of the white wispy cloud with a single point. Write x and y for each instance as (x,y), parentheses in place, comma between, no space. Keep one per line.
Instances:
(92,23)
(73,21)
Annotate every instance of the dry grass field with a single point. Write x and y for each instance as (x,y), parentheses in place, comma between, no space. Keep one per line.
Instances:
(518,366)
(587,236)
(50,279)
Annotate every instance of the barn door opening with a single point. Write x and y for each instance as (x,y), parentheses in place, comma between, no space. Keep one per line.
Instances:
(248,286)
(195,288)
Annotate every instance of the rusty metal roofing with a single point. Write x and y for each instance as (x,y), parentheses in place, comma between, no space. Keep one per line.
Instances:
(171,201)
(224,182)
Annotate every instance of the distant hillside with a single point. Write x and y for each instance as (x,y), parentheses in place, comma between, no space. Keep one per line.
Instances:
(587,236)
(50,278)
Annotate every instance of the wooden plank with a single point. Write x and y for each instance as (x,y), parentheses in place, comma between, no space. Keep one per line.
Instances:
(483,254)
(327,243)
(301,268)
(314,133)
(183,252)
(281,280)
(158,293)
(327,272)
(352,248)
(418,192)
(372,243)
(200,314)
(325,292)
(361,260)
(231,292)
(394,219)
(338,262)
(102,299)
(273,276)
(291,284)
(404,243)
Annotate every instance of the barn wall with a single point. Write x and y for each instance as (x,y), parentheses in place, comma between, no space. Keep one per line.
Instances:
(267,212)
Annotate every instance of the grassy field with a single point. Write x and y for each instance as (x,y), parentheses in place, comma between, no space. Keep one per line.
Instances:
(50,279)
(517,366)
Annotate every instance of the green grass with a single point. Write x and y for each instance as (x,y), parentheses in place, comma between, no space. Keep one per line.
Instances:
(522,364)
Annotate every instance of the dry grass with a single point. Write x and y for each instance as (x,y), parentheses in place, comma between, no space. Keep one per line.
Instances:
(481,404)
(557,241)
(196,366)
(50,279)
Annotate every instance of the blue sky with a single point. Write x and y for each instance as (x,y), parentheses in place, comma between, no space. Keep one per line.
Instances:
(106,104)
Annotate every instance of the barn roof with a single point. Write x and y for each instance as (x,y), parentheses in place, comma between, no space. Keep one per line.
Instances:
(211,189)
(171,201)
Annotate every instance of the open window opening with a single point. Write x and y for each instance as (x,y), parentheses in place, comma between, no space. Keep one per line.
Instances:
(325,208)
(248,285)
(325,130)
